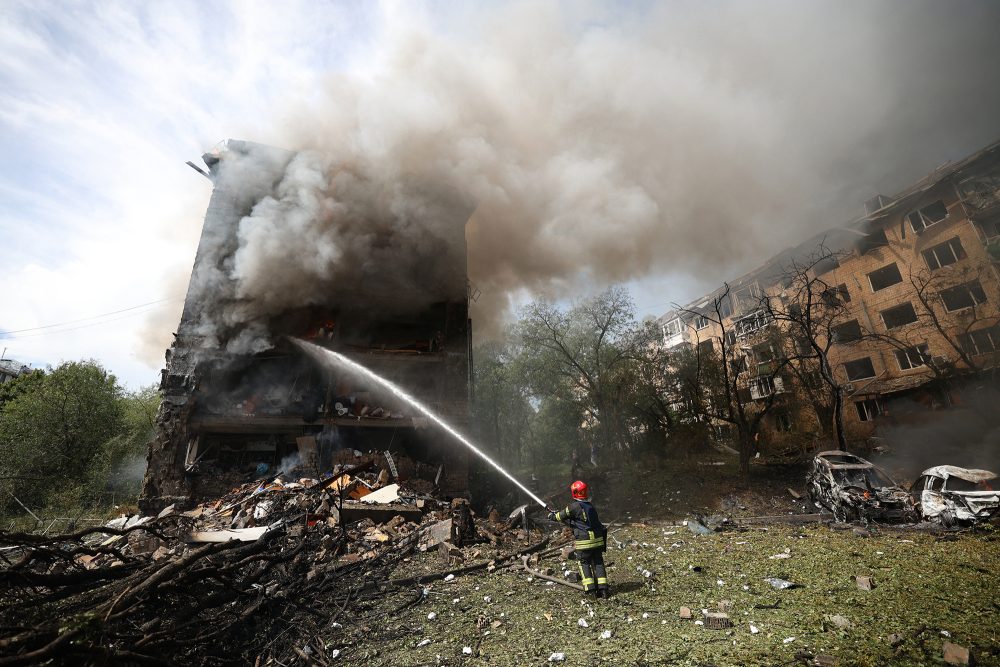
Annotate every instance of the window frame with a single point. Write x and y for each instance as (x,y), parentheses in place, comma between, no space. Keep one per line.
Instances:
(973,289)
(834,331)
(854,361)
(970,344)
(957,250)
(925,221)
(894,266)
(869,409)
(922,353)
(901,306)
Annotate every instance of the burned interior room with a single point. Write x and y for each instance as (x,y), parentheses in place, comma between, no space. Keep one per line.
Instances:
(240,398)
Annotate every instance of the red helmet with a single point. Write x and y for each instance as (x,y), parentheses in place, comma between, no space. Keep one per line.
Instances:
(579,490)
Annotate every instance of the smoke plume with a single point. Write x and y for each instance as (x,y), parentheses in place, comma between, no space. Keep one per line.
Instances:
(600,145)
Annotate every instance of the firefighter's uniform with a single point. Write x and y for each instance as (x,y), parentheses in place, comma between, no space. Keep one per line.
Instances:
(590,535)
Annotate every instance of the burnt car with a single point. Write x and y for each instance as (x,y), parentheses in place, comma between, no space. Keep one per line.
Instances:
(855,489)
(954,495)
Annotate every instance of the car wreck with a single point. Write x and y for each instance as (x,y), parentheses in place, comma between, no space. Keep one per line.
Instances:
(953,495)
(857,490)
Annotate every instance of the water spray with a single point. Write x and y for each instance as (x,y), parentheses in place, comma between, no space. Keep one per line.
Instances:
(323,354)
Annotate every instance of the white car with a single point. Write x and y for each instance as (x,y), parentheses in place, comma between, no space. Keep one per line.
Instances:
(953,495)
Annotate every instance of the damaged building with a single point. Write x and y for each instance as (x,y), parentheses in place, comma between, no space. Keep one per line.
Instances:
(915,285)
(297,247)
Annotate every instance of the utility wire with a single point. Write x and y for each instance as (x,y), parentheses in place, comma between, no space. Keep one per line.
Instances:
(87,319)
(82,326)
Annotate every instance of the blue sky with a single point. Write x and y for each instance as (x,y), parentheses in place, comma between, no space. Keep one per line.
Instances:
(788,115)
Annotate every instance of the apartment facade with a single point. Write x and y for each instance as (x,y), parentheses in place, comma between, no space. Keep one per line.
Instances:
(916,287)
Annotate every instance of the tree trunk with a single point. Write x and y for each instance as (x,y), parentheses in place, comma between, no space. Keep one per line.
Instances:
(746,453)
(838,419)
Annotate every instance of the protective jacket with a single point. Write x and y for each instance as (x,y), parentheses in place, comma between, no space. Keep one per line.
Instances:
(588,530)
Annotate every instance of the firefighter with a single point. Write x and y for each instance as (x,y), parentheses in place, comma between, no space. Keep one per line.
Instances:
(590,536)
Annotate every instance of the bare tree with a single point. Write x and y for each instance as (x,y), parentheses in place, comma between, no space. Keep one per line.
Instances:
(729,386)
(809,310)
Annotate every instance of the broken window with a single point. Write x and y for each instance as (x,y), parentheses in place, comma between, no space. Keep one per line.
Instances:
(730,338)
(912,357)
(725,307)
(944,254)
(834,296)
(876,239)
(965,295)
(763,353)
(899,316)
(991,228)
(847,332)
(983,341)
(751,323)
(762,387)
(860,369)
(700,322)
(782,422)
(747,298)
(868,409)
(672,328)
(802,346)
(885,277)
(825,265)
(929,215)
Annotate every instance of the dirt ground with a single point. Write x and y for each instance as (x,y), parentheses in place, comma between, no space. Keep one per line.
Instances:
(928,589)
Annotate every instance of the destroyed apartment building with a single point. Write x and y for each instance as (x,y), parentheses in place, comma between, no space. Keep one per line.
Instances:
(914,285)
(241,400)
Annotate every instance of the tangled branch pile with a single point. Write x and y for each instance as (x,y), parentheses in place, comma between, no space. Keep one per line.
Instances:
(149,592)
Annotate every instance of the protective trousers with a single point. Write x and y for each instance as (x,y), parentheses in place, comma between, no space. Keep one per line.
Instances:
(593,574)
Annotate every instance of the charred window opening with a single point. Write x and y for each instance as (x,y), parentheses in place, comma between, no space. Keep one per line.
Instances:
(782,421)
(875,239)
(847,332)
(912,357)
(868,409)
(836,296)
(929,215)
(706,348)
(962,296)
(899,316)
(825,265)
(983,341)
(887,276)
(860,369)
(944,254)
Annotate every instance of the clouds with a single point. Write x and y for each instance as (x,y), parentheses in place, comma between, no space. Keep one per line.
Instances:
(100,105)
(604,144)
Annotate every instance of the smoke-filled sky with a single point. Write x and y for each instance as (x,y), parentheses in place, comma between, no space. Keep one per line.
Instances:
(668,146)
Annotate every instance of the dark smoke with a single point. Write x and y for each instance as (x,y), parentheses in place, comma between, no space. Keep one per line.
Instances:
(605,144)
(966,435)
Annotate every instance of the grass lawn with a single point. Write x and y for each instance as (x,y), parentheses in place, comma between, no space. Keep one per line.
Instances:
(925,585)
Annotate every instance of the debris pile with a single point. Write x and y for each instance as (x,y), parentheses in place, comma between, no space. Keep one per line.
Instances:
(265,574)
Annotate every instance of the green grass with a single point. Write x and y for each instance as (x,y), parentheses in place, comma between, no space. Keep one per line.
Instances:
(924,584)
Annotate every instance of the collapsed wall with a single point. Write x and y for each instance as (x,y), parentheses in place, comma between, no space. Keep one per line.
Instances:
(239,399)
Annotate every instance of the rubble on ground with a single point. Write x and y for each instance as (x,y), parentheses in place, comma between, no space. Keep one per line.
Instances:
(257,576)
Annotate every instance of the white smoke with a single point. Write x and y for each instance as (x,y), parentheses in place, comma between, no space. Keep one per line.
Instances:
(596,147)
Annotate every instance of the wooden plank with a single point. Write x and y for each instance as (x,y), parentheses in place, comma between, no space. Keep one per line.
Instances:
(241,534)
